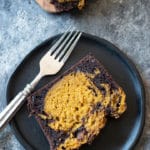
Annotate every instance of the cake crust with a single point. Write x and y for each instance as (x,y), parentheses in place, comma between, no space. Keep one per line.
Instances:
(47,6)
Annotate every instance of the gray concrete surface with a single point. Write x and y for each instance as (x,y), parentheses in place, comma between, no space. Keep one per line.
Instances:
(23,25)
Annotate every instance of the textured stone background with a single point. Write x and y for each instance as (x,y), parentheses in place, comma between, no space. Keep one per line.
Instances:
(23,25)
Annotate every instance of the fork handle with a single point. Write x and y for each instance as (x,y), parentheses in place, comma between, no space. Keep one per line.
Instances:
(16,103)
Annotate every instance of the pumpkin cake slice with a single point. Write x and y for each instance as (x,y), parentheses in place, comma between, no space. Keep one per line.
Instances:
(55,6)
(73,108)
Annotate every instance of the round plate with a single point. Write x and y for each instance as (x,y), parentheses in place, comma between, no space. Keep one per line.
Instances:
(122,133)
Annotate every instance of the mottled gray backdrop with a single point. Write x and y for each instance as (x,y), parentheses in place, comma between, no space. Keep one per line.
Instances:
(23,25)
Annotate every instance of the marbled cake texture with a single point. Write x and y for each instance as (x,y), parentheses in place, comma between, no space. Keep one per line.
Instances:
(73,108)
(23,25)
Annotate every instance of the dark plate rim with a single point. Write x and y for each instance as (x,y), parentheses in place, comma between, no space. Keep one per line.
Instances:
(126,60)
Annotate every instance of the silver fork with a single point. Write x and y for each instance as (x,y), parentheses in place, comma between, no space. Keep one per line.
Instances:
(50,64)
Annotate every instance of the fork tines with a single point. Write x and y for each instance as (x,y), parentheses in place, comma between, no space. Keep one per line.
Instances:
(62,49)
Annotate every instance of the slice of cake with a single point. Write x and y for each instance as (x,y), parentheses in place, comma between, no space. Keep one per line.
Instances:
(60,5)
(73,108)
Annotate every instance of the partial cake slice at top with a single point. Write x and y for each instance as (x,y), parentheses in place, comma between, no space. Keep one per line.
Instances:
(73,108)
(55,6)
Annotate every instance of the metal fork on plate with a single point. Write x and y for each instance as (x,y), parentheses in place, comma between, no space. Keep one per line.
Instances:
(50,64)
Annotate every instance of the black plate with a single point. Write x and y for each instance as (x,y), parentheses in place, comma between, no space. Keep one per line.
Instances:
(120,134)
